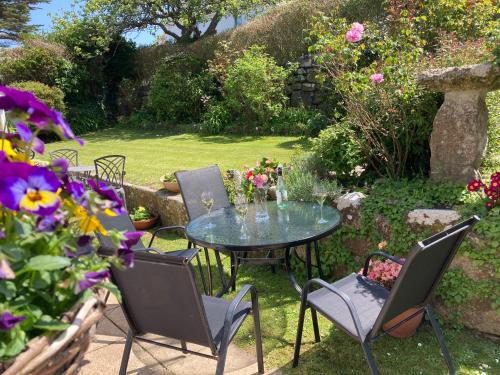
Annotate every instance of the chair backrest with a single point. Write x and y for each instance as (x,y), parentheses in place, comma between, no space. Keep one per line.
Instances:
(423,270)
(160,296)
(193,183)
(66,153)
(111,169)
(121,223)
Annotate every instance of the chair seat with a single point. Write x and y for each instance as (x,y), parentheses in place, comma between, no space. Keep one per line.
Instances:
(367,297)
(216,310)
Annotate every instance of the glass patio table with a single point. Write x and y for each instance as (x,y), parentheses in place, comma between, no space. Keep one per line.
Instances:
(285,229)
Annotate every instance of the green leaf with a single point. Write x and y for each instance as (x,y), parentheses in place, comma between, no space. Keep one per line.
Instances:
(48,323)
(17,342)
(41,280)
(8,289)
(113,289)
(47,263)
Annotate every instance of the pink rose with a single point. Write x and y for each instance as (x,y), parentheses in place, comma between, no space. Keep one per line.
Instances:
(353,36)
(265,178)
(377,78)
(356,26)
(269,161)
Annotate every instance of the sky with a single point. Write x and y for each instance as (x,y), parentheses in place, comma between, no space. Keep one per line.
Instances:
(42,17)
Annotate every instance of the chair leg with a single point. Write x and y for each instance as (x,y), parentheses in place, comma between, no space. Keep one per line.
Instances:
(440,338)
(298,339)
(221,361)
(184,347)
(258,335)
(314,316)
(233,266)
(209,272)
(270,254)
(369,358)
(126,353)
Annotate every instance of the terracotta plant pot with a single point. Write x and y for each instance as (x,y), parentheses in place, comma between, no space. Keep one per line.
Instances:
(146,224)
(173,187)
(407,329)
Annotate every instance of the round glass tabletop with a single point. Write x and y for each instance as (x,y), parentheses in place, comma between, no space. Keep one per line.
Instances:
(292,226)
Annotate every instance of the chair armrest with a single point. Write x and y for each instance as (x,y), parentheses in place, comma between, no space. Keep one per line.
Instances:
(171,228)
(228,320)
(160,252)
(382,254)
(344,297)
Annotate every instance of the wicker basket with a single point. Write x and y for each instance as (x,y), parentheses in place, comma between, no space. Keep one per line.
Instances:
(62,355)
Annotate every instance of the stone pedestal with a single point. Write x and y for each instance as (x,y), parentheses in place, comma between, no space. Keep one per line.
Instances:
(459,135)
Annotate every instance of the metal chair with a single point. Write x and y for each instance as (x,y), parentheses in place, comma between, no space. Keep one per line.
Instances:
(111,169)
(124,223)
(192,184)
(363,308)
(160,296)
(66,153)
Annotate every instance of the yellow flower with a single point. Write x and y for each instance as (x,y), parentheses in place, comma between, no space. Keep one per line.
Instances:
(12,155)
(89,223)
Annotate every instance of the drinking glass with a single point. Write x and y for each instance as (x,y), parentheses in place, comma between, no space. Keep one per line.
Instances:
(320,193)
(207,200)
(241,206)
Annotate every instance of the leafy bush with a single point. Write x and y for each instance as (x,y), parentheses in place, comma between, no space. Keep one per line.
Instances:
(338,151)
(52,96)
(297,121)
(216,119)
(254,88)
(177,89)
(86,117)
(43,63)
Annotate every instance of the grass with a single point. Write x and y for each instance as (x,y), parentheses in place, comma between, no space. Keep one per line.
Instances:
(151,154)
(338,353)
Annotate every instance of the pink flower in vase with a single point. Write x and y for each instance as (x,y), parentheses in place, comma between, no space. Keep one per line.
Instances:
(259,181)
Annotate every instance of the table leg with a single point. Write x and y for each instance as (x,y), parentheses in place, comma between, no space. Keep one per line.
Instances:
(209,272)
(288,266)
(308,261)
(234,272)
(318,261)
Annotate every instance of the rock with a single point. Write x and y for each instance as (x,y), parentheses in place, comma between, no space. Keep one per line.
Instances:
(485,272)
(459,135)
(297,86)
(301,78)
(301,71)
(306,61)
(169,207)
(307,98)
(359,246)
(430,217)
(308,86)
(350,205)
(311,76)
(383,226)
(296,99)
(484,77)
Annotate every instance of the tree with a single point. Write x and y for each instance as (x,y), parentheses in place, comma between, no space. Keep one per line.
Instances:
(14,18)
(180,19)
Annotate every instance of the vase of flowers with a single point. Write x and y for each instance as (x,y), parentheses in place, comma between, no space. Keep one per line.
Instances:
(385,273)
(48,260)
(256,185)
(142,218)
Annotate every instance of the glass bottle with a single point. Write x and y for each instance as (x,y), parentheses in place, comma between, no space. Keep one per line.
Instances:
(281,193)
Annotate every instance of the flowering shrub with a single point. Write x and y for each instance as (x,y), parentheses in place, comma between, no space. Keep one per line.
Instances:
(261,176)
(48,261)
(489,193)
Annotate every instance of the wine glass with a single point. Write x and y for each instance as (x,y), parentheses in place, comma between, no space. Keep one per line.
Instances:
(207,200)
(320,193)
(241,206)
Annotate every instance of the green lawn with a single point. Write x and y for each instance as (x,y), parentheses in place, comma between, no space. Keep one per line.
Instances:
(150,154)
(338,353)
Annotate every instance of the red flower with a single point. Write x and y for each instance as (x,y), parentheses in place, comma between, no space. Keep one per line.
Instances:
(474,185)
(489,204)
(249,174)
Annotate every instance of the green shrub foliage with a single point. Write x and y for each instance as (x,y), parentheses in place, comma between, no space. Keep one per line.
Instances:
(52,96)
(297,121)
(177,89)
(254,88)
(216,119)
(41,62)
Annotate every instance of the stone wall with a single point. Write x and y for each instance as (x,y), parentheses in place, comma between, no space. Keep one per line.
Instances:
(302,88)
(170,207)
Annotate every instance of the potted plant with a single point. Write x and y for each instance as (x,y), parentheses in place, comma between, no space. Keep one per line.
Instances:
(385,273)
(142,218)
(170,183)
(48,261)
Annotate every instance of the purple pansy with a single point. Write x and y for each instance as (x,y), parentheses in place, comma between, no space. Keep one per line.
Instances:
(90,279)
(131,238)
(76,189)
(32,189)
(26,135)
(2,234)
(8,321)
(6,272)
(107,192)
(127,256)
